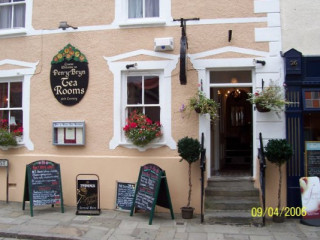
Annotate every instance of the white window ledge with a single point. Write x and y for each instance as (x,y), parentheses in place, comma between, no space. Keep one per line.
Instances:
(13,32)
(143,22)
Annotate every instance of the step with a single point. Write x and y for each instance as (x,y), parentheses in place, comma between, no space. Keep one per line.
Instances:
(233,182)
(231,192)
(231,217)
(231,204)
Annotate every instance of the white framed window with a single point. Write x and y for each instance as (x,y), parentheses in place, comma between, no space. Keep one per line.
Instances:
(143,8)
(15,16)
(15,98)
(11,110)
(142,12)
(146,87)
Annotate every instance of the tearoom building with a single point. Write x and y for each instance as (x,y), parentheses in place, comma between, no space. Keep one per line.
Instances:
(72,73)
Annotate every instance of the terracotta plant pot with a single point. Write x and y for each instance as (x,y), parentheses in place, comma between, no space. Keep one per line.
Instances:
(187,212)
(261,108)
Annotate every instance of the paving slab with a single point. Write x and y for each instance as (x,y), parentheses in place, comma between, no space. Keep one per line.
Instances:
(50,224)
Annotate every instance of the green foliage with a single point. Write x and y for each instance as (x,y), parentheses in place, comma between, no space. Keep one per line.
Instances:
(278,151)
(203,105)
(7,138)
(189,149)
(271,97)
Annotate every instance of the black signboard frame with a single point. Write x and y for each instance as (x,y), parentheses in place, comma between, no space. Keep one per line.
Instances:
(124,202)
(88,200)
(312,150)
(48,189)
(157,193)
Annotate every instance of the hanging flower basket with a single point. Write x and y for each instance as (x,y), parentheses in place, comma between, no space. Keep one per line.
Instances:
(271,98)
(261,108)
(203,105)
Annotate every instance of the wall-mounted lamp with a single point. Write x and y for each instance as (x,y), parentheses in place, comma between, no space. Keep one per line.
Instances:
(64,25)
(260,61)
(131,65)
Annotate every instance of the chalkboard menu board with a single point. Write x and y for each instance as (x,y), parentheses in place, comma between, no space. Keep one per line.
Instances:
(43,184)
(312,159)
(125,195)
(152,189)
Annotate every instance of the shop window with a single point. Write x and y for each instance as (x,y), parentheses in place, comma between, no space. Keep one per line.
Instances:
(143,12)
(312,99)
(11,111)
(15,16)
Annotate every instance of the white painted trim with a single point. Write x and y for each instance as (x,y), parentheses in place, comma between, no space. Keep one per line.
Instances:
(118,68)
(204,66)
(26,74)
(266,6)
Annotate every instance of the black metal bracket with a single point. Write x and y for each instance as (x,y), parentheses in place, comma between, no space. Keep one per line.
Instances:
(183,48)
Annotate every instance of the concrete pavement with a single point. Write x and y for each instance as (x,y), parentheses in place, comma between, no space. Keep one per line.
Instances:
(50,223)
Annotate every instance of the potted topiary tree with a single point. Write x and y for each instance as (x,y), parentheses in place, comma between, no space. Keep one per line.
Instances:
(189,150)
(278,152)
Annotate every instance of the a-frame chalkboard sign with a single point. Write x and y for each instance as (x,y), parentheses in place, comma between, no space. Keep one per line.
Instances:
(42,185)
(152,189)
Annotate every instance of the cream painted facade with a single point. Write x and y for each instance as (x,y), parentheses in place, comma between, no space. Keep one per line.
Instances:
(110,41)
(299,30)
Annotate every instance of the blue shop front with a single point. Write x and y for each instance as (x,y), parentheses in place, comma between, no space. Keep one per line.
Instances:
(302,79)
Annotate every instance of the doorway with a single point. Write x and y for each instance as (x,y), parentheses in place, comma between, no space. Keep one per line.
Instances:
(232,138)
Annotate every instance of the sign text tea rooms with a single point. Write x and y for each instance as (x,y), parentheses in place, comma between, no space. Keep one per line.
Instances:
(69,76)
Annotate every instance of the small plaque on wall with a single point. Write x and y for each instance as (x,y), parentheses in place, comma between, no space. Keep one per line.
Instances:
(68,133)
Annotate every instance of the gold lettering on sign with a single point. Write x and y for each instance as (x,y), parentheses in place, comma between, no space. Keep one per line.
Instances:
(293,63)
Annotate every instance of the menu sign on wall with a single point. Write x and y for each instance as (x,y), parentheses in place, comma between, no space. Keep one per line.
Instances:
(69,75)
(43,184)
(312,158)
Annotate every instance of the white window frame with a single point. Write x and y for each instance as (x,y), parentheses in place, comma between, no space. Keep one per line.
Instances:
(9,81)
(28,21)
(23,74)
(164,69)
(125,105)
(122,19)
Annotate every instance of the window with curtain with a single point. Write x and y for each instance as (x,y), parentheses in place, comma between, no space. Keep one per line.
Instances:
(11,112)
(143,96)
(12,14)
(143,8)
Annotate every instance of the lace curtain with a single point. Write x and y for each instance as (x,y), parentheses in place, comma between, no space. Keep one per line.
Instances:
(143,8)
(6,18)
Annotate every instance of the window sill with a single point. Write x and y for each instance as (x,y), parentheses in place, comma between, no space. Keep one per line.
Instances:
(142,22)
(142,149)
(12,32)
(5,148)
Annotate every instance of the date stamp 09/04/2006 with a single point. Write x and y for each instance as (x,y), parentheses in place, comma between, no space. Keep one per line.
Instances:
(286,211)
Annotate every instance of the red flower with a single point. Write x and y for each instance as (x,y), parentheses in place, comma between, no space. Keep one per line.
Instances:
(149,121)
(133,125)
(126,128)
